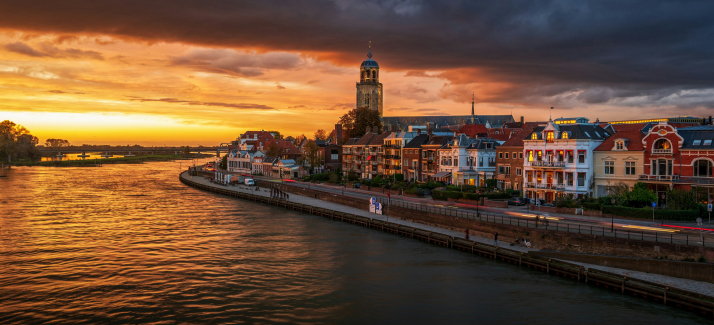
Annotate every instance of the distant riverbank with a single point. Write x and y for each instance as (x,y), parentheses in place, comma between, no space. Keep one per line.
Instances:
(123,160)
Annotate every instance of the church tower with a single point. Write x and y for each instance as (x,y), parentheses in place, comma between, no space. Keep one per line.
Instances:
(369,90)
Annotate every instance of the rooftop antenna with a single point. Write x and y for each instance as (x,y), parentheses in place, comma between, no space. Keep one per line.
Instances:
(369,51)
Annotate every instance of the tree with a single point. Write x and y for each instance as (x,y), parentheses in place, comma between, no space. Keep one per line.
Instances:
(312,154)
(320,134)
(224,162)
(56,143)
(9,133)
(298,140)
(641,195)
(187,150)
(355,122)
(290,138)
(27,146)
(276,134)
(273,150)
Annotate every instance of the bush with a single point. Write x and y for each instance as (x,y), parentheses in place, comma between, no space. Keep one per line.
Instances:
(491,183)
(645,213)
(399,177)
(453,188)
(334,178)
(444,195)
(591,206)
(513,192)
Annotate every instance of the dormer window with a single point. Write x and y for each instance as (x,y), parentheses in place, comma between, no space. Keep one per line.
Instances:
(620,145)
(564,135)
(697,142)
(534,136)
(586,134)
(549,136)
(707,142)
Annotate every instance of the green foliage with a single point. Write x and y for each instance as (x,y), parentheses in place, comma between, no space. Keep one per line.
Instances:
(352,176)
(681,200)
(186,150)
(645,213)
(335,178)
(17,142)
(513,193)
(566,202)
(431,185)
(591,206)
(491,183)
(355,122)
(399,177)
(224,162)
(641,196)
(453,188)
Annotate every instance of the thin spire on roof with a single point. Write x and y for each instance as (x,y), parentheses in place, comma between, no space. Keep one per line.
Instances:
(369,51)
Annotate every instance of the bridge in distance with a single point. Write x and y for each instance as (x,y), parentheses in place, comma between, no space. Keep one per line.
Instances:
(129,150)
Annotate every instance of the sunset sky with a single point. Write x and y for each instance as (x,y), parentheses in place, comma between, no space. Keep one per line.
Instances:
(202,72)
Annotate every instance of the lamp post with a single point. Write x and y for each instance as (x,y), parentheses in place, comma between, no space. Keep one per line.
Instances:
(612,217)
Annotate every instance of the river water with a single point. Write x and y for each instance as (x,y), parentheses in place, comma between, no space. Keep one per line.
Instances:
(131,244)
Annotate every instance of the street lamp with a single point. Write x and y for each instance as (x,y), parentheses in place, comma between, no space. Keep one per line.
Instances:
(612,218)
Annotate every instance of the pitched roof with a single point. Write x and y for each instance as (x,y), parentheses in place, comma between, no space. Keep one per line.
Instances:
(252,134)
(516,139)
(404,121)
(579,131)
(378,139)
(500,136)
(633,141)
(417,141)
(439,140)
(473,130)
(365,139)
(350,141)
(703,133)
(287,146)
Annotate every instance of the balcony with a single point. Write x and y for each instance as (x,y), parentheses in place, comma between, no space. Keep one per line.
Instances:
(658,178)
(661,151)
(546,186)
(547,164)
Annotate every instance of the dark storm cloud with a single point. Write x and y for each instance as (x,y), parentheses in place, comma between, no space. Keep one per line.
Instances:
(583,51)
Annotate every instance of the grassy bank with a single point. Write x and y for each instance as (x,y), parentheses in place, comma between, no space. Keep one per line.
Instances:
(122,160)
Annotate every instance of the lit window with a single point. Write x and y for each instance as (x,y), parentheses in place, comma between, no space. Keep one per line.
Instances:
(549,136)
(534,136)
(530,155)
(620,145)
(564,135)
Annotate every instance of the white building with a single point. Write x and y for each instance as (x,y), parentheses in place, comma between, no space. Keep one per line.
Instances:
(241,161)
(468,161)
(559,158)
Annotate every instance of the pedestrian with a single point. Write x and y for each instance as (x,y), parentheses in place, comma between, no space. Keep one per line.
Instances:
(495,238)
(467,234)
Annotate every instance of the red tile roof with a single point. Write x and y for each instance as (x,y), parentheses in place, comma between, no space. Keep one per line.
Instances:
(378,139)
(261,134)
(473,130)
(634,142)
(500,136)
(516,139)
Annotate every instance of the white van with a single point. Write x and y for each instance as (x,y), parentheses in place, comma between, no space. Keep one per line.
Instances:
(249,182)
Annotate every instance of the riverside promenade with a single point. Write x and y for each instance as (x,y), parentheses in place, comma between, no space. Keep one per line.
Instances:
(699,287)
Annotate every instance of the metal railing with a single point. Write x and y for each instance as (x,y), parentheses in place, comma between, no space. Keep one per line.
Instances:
(661,151)
(670,238)
(545,163)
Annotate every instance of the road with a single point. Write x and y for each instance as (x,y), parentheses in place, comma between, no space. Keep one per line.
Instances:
(624,228)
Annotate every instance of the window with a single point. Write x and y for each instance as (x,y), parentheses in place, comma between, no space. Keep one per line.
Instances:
(629,168)
(707,142)
(620,145)
(456,161)
(423,154)
(501,170)
(515,155)
(519,172)
(506,155)
(662,144)
(549,136)
(534,136)
(586,134)
(570,157)
(598,134)
(581,156)
(520,155)
(366,99)
(540,155)
(697,142)
(569,177)
(530,155)
(609,168)
(508,170)
(581,179)
(564,135)
(334,155)
(480,161)
(703,168)
(500,155)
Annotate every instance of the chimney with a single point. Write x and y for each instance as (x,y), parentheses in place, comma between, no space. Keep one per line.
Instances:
(368,129)
(428,128)
(338,134)
(374,130)
(418,131)
(522,120)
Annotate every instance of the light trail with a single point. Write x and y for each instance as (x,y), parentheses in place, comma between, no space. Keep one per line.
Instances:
(650,228)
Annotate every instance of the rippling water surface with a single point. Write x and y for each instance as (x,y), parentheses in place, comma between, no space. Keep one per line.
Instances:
(131,244)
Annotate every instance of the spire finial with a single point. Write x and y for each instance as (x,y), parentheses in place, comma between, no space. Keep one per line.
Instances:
(369,51)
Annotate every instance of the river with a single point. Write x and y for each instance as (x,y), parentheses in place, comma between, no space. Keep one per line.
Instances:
(131,244)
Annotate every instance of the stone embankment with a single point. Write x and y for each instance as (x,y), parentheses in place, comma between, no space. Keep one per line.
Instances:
(694,295)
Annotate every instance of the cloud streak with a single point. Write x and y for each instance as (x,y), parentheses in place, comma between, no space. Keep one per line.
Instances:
(199,103)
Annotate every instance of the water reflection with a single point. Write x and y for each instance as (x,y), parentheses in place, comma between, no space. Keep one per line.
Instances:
(131,244)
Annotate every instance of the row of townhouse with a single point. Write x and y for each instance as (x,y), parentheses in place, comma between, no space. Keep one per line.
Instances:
(575,157)
(256,163)
(432,155)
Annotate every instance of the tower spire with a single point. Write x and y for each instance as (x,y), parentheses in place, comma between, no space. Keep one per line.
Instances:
(369,51)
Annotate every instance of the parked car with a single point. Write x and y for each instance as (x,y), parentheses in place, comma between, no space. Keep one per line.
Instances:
(355,185)
(249,182)
(548,205)
(518,201)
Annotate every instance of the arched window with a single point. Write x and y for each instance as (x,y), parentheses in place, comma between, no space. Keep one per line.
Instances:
(662,144)
(366,99)
(534,136)
(702,168)
(374,74)
(564,135)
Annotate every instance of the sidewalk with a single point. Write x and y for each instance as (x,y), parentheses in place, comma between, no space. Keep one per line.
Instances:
(685,284)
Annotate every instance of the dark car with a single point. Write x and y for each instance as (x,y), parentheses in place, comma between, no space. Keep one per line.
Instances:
(355,185)
(517,201)
(548,205)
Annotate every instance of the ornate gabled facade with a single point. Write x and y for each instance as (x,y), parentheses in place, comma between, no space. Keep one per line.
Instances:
(558,159)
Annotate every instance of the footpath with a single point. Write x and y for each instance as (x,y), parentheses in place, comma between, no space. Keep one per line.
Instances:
(699,287)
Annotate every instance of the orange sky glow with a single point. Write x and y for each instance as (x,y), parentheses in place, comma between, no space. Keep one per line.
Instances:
(101,90)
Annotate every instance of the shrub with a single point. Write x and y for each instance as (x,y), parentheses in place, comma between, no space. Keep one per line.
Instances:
(399,177)
(491,182)
(591,206)
(453,188)
(645,213)
(334,178)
